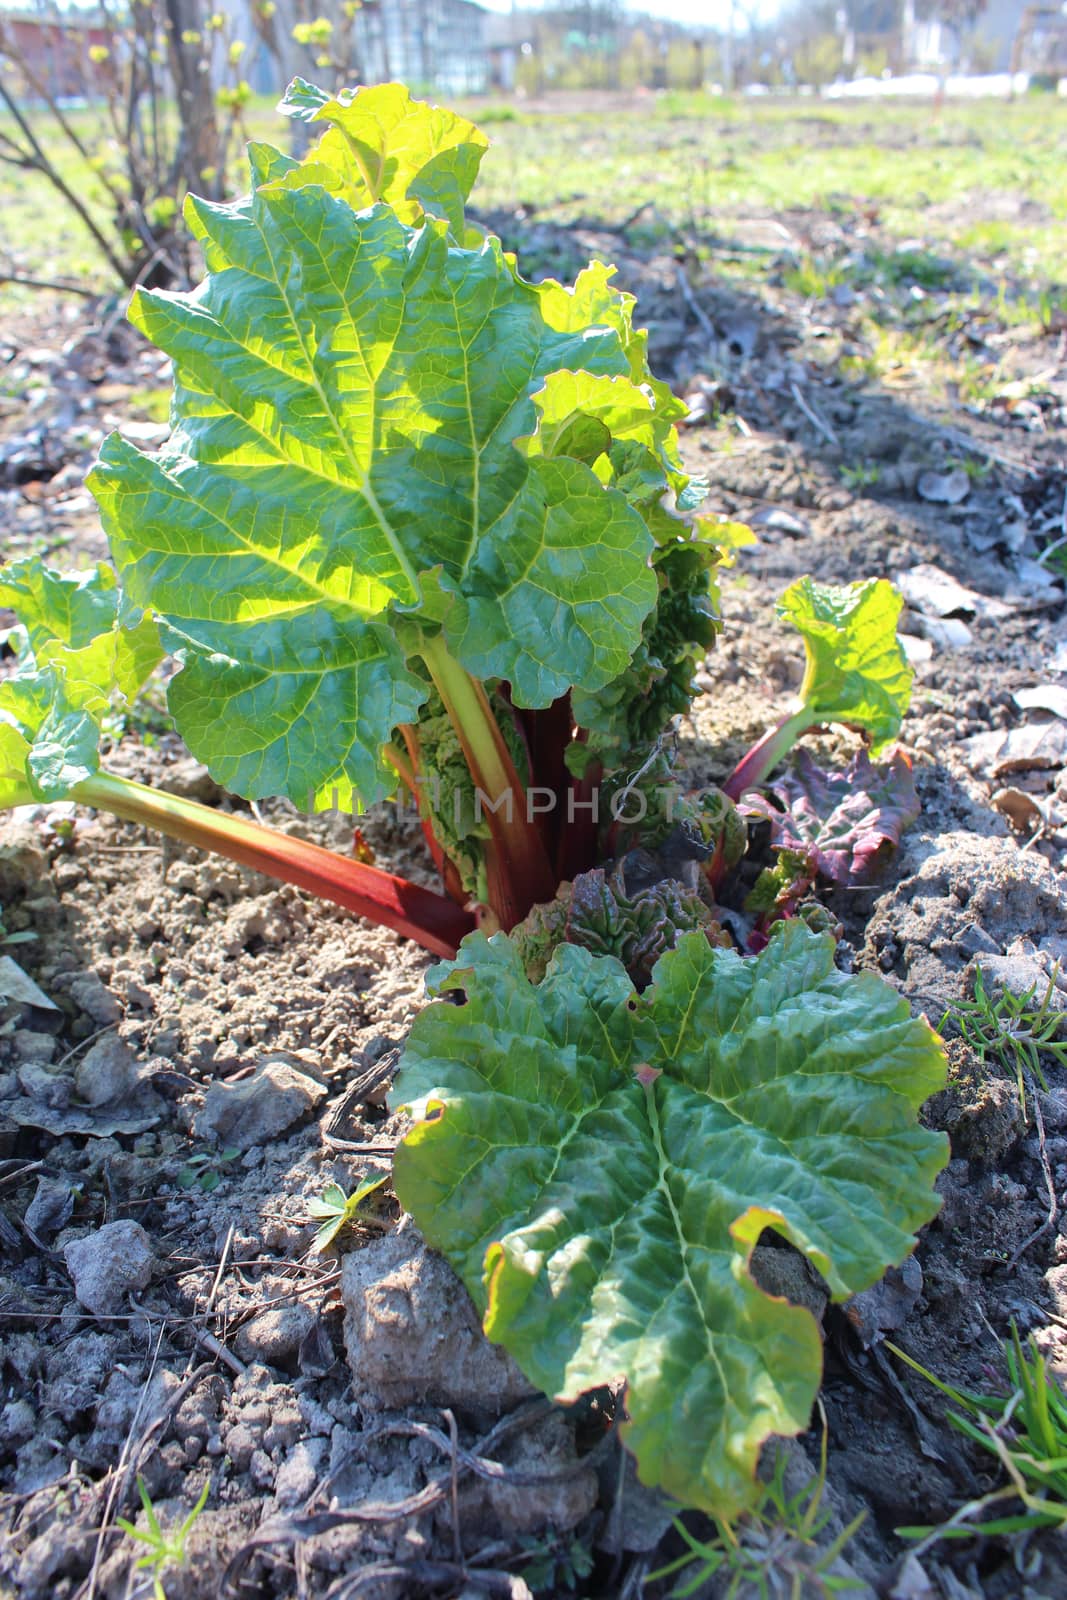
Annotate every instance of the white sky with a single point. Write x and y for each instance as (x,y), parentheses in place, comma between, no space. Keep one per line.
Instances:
(710,13)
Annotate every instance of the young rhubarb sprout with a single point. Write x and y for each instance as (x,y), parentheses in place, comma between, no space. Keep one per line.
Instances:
(856,672)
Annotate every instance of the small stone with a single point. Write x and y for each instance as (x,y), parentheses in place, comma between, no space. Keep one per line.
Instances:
(274,1336)
(933,592)
(51,1207)
(886,1306)
(916,650)
(47,1088)
(946,633)
(258,1108)
(107,1073)
(261,1470)
(30,1046)
(781,521)
(97,1001)
(107,1264)
(975,941)
(18,987)
(300,1472)
(945,488)
(18,1422)
(1050,697)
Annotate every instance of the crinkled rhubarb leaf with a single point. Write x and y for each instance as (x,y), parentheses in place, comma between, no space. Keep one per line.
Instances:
(447,792)
(857,672)
(598,1167)
(625,717)
(583,415)
(69,608)
(782,891)
(382,145)
(846,822)
(628,714)
(607,915)
(349,393)
(82,658)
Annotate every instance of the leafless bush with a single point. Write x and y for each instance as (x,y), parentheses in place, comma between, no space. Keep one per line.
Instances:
(150,100)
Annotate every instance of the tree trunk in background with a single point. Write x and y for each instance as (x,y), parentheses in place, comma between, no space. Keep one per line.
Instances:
(190,65)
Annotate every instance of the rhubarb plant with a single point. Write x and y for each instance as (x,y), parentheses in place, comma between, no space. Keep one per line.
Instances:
(422,528)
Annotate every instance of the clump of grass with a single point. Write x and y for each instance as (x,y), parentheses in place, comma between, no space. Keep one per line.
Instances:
(1015,1029)
(165,1550)
(501,113)
(773,1550)
(812,279)
(1026,1430)
(864,475)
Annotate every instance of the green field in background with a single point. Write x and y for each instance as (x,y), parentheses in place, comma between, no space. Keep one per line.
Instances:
(953,178)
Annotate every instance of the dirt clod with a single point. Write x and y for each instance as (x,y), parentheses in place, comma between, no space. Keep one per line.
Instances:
(250,1113)
(108,1264)
(414,1338)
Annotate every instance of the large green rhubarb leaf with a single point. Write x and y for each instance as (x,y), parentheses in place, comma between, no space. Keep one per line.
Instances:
(382,145)
(82,658)
(857,672)
(598,1167)
(349,390)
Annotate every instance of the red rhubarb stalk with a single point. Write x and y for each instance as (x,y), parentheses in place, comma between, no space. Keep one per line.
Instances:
(756,766)
(517,865)
(432,920)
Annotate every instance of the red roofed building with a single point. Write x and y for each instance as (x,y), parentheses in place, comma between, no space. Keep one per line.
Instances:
(56,52)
